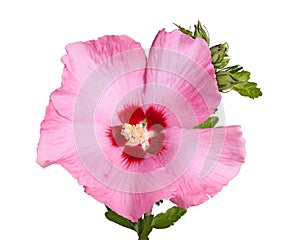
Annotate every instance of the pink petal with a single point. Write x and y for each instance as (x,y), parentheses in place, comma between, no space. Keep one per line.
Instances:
(91,68)
(221,151)
(84,57)
(184,65)
(131,206)
(117,96)
(56,143)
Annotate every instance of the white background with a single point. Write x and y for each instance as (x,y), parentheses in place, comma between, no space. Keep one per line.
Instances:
(261,203)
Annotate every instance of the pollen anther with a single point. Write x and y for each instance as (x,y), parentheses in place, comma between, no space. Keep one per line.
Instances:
(136,134)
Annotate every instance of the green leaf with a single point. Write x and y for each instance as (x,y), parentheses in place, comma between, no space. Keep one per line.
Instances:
(167,219)
(209,123)
(249,89)
(242,76)
(118,219)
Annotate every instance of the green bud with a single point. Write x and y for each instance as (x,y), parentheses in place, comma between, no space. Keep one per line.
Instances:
(201,32)
(226,80)
(219,55)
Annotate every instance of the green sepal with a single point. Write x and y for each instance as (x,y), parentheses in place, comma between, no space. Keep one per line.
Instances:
(200,31)
(168,218)
(185,31)
(248,89)
(118,219)
(209,123)
(233,69)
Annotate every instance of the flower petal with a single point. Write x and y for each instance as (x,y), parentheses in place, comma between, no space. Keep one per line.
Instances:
(184,65)
(130,206)
(221,152)
(56,142)
(92,66)
(83,58)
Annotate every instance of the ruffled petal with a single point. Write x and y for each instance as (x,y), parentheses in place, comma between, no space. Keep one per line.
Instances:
(56,142)
(220,154)
(130,206)
(184,65)
(92,67)
(57,146)
(83,58)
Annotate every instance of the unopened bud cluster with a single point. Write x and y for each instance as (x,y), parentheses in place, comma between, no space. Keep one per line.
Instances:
(226,80)
(220,59)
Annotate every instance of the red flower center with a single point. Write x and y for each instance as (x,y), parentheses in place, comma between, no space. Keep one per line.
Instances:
(141,134)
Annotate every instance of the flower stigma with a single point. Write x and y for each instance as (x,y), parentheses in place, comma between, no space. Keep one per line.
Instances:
(136,134)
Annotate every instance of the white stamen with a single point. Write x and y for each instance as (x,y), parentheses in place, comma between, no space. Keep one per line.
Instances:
(136,134)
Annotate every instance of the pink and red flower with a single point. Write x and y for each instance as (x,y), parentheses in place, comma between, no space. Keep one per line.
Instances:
(123,124)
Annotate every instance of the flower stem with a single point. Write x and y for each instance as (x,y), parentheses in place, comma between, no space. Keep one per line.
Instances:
(145,227)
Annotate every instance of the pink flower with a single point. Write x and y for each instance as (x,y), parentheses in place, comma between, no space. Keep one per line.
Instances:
(122,124)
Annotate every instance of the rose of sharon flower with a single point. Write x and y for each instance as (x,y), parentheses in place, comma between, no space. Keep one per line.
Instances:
(123,124)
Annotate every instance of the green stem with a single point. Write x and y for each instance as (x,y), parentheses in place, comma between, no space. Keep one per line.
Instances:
(144,226)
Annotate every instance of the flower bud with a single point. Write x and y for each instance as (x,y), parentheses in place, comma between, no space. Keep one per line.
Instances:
(225,80)
(219,55)
(201,32)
